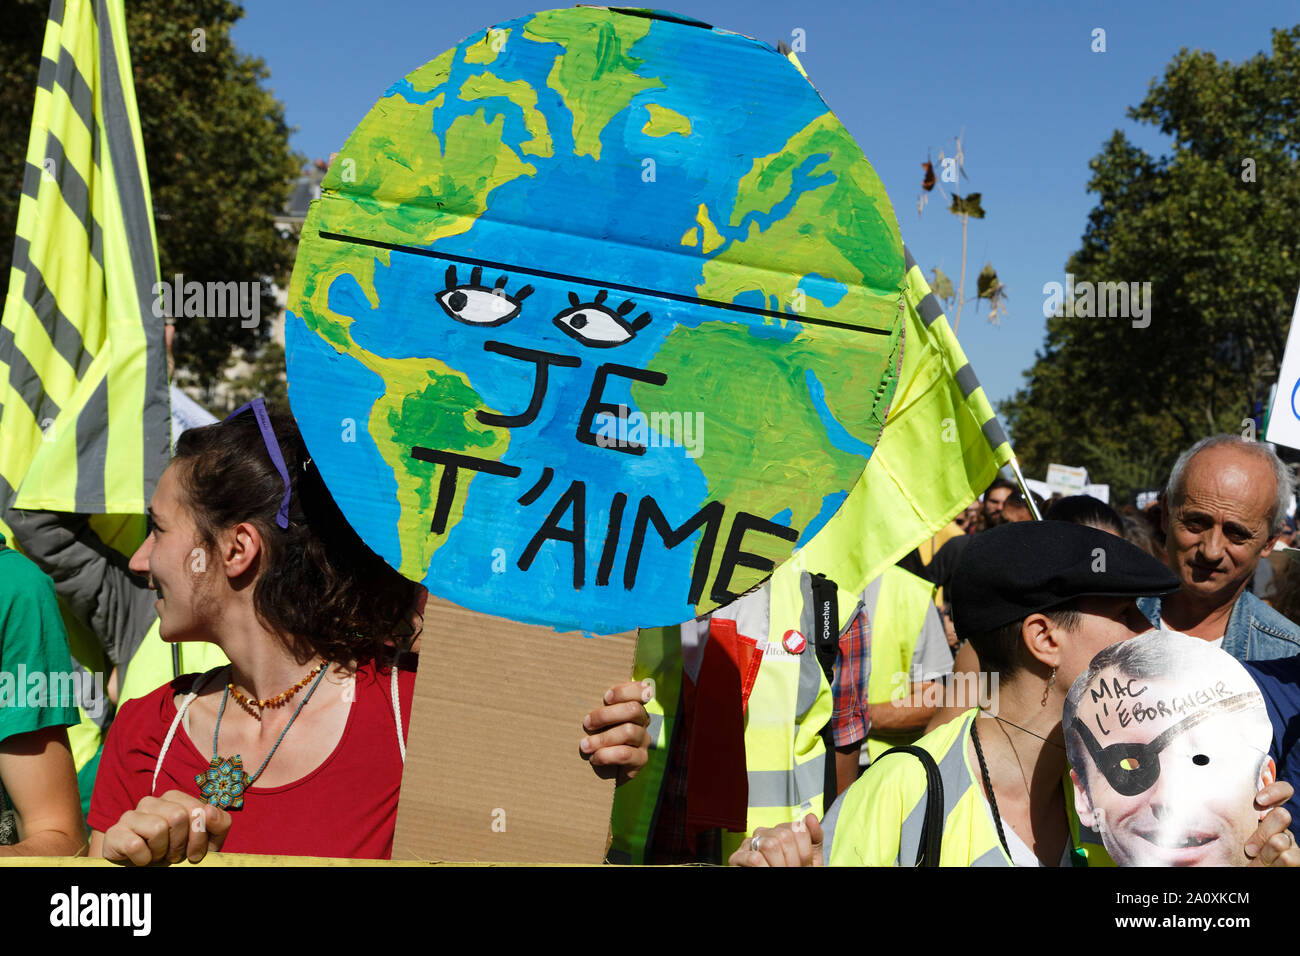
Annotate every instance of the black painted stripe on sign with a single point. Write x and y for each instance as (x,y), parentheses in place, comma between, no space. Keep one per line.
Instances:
(630,289)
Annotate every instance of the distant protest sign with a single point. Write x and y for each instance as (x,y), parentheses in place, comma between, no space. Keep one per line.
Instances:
(1066,479)
(1284,416)
(1168,739)
(1099,491)
(596,319)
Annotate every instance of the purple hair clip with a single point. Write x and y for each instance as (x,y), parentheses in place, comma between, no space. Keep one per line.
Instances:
(258,405)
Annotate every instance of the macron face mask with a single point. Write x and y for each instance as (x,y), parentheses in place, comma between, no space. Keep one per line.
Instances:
(1132,768)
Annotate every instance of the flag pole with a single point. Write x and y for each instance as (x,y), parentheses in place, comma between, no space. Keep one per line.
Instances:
(1024,489)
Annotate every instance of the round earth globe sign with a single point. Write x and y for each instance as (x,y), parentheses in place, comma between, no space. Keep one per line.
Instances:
(596,319)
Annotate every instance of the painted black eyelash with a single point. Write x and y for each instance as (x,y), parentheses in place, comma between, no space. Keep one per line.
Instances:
(476,282)
(636,325)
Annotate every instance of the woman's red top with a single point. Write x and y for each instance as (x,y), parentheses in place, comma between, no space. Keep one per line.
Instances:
(346,807)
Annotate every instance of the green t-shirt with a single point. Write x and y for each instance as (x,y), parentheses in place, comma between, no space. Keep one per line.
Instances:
(37,682)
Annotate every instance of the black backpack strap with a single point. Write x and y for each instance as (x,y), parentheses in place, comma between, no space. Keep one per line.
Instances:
(927,853)
(826,644)
(826,623)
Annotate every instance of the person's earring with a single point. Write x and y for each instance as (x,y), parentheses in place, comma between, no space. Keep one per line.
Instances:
(1048,689)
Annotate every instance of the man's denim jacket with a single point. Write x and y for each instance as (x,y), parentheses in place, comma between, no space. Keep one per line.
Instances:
(1255,631)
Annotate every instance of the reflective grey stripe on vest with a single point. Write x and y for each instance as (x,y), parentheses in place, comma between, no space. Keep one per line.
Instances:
(956,781)
(654,729)
(780,788)
(871,596)
(992,857)
(828,827)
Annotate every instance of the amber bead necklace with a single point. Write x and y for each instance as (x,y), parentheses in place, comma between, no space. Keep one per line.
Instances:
(256,706)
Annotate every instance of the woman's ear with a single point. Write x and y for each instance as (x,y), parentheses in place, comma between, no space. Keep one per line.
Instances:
(1037,633)
(240,548)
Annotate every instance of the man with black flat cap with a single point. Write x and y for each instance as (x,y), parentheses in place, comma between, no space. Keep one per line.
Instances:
(1037,600)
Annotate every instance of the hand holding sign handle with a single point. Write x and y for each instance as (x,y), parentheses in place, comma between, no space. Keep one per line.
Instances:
(618,743)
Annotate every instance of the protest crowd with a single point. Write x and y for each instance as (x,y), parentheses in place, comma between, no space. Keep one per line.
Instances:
(1034,603)
(303,609)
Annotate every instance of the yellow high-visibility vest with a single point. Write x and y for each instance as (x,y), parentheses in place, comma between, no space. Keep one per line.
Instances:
(897,615)
(788,706)
(151,665)
(878,821)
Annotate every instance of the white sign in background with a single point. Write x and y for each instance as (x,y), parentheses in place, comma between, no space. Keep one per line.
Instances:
(187,413)
(1045,491)
(1100,492)
(1067,479)
(1284,419)
(1039,488)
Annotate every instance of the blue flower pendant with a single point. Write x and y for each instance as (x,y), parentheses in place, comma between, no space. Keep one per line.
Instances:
(224,782)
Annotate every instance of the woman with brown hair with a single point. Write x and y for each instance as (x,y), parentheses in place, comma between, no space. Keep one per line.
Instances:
(297,747)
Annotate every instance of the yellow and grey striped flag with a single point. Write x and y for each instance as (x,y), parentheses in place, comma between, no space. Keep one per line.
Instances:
(940,447)
(84,408)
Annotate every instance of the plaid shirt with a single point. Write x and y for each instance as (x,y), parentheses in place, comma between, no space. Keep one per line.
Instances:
(850,721)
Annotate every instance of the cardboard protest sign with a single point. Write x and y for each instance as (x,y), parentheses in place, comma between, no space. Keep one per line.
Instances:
(1168,738)
(1284,412)
(596,319)
(493,771)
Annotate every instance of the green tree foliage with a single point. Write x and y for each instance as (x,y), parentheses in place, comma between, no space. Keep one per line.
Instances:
(967,206)
(216,145)
(263,375)
(990,288)
(1213,227)
(941,286)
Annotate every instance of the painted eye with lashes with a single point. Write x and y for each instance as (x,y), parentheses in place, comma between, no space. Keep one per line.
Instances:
(595,324)
(475,304)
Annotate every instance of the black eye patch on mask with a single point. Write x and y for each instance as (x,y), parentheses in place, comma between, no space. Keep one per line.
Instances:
(1132,768)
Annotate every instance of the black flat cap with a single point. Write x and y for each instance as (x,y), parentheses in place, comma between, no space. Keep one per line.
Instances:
(1013,570)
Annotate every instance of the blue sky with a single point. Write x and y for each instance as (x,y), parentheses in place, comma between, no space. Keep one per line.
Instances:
(1018,79)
